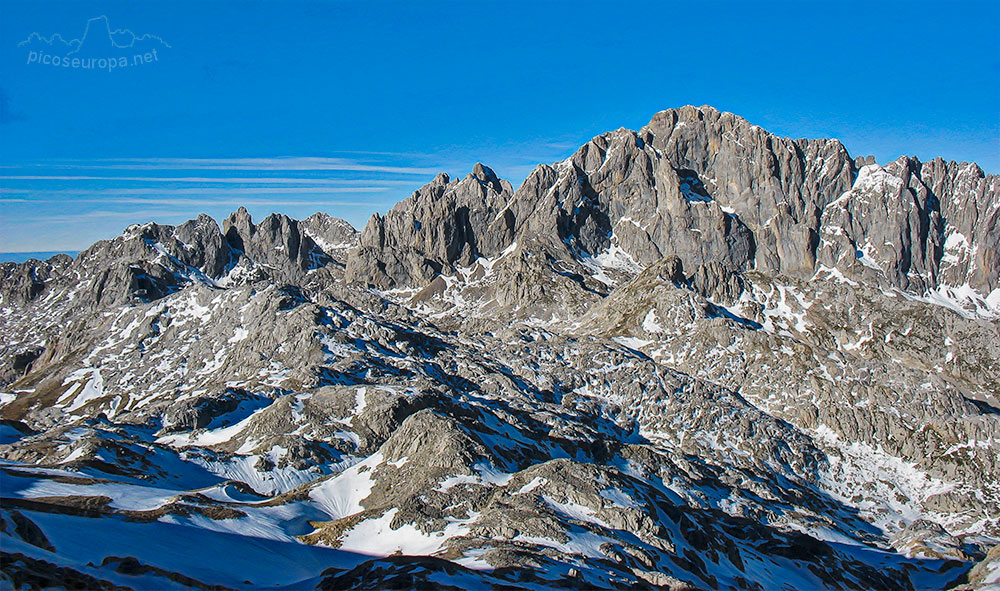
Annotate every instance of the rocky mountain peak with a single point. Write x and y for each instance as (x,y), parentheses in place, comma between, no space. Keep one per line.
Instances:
(705,185)
(486,175)
(239,224)
(440,226)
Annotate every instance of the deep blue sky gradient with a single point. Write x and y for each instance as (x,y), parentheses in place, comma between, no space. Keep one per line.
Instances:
(386,94)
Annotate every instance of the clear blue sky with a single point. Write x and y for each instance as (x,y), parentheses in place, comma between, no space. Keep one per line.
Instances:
(347,107)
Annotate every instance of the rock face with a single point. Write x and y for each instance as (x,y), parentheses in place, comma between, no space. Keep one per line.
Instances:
(280,244)
(777,186)
(443,225)
(26,281)
(692,356)
(708,188)
(151,261)
(919,234)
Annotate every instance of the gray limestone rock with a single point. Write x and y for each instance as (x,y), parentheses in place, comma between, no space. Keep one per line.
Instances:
(439,227)
(686,356)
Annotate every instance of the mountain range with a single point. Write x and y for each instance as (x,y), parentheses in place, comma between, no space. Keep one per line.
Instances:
(692,356)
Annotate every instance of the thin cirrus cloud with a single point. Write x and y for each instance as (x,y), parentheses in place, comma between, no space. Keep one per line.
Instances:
(207,179)
(98,195)
(253,181)
(257,164)
(101,215)
(195,191)
(167,209)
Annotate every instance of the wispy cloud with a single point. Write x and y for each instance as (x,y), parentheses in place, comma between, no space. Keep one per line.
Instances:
(102,215)
(259,164)
(210,202)
(194,191)
(563,145)
(167,210)
(208,179)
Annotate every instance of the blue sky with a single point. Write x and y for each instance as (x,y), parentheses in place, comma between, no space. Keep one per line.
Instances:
(348,107)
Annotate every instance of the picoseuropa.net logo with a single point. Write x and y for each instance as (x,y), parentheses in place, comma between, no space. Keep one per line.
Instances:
(101,48)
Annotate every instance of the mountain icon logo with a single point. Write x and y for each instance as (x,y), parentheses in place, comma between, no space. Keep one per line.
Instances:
(100,47)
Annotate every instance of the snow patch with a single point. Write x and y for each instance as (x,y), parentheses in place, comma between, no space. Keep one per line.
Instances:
(342,494)
(93,388)
(376,537)
(650,324)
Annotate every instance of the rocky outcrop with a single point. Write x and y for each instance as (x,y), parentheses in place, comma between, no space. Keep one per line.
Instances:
(777,186)
(23,282)
(441,226)
(916,234)
(708,188)
(148,262)
(277,244)
(199,411)
(617,190)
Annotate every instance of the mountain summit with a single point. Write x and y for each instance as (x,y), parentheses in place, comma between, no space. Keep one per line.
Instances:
(692,356)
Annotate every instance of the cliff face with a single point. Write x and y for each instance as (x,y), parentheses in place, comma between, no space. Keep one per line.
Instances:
(440,226)
(706,186)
